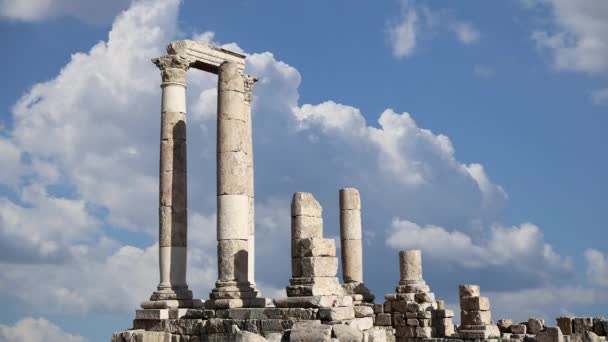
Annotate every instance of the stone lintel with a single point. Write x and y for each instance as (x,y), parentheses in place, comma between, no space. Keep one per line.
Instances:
(205,56)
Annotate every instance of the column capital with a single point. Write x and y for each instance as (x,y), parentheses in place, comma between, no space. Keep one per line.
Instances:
(173,68)
(249,83)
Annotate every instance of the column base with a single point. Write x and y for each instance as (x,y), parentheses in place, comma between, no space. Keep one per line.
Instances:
(172,298)
(228,295)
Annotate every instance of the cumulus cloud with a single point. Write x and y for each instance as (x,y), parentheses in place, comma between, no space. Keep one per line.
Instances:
(36,330)
(577,36)
(519,249)
(597,267)
(90,11)
(466,33)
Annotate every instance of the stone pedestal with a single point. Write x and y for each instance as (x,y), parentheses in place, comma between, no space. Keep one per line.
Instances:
(234,287)
(475,315)
(352,247)
(313,260)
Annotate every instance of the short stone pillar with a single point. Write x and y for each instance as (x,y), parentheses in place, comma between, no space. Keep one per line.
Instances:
(352,246)
(313,261)
(234,287)
(410,267)
(173,213)
(475,315)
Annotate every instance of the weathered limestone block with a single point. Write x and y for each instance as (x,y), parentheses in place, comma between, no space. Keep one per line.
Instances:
(318,266)
(440,305)
(303,227)
(350,199)
(232,260)
(425,297)
(550,334)
(405,332)
(363,323)
(565,324)
(347,333)
(535,325)
(478,332)
(322,286)
(313,247)
(234,173)
(520,329)
(173,126)
(175,223)
(304,204)
(232,106)
(383,319)
(598,326)
(424,332)
(313,301)
(364,311)
(469,290)
(233,135)
(352,261)
(141,336)
(336,313)
(350,225)
(475,303)
(310,332)
(410,265)
(475,317)
(504,325)
(582,324)
(443,313)
(230,78)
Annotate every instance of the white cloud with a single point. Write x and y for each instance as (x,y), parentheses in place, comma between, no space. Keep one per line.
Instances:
(577,36)
(90,11)
(597,267)
(403,34)
(521,249)
(484,71)
(599,96)
(36,330)
(466,33)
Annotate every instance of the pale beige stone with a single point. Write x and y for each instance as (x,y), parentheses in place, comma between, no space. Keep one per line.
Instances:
(349,199)
(230,78)
(565,325)
(475,317)
(469,290)
(318,266)
(232,136)
(352,261)
(347,333)
(313,247)
(322,286)
(535,325)
(310,331)
(336,313)
(231,105)
(363,323)
(173,98)
(173,125)
(232,260)
(173,227)
(474,303)
(550,334)
(304,204)
(233,173)
(203,56)
(233,217)
(350,225)
(364,311)
(303,227)
(410,265)
(313,302)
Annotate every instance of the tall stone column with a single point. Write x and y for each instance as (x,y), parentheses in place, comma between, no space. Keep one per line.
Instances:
(351,245)
(249,82)
(173,197)
(234,287)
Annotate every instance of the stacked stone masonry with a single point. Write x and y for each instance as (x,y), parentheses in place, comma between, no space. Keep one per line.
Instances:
(317,307)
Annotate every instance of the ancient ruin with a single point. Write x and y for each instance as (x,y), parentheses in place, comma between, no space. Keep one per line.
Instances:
(317,307)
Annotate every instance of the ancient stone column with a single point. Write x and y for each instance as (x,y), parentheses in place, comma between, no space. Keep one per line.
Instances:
(249,82)
(410,266)
(350,236)
(234,287)
(173,199)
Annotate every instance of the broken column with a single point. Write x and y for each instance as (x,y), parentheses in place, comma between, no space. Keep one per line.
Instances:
(234,287)
(172,290)
(413,311)
(475,315)
(314,263)
(352,247)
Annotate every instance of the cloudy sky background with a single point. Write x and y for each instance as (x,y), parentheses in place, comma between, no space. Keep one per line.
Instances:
(474,132)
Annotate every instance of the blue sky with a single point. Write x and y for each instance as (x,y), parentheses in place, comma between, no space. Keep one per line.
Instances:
(474,131)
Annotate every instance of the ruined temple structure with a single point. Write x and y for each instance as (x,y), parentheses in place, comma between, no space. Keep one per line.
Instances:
(317,306)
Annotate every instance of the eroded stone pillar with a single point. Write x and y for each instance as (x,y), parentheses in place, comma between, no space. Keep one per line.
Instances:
(350,236)
(173,194)
(234,287)
(410,266)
